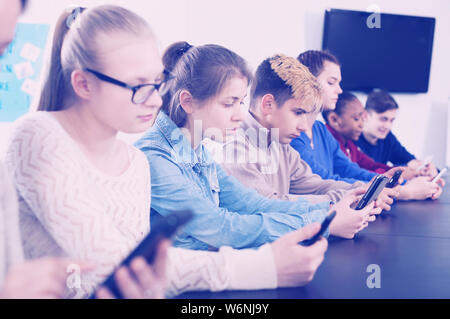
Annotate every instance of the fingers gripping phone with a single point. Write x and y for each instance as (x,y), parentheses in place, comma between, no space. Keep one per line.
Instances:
(427,161)
(438,176)
(326,222)
(372,193)
(394,180)
(163,227)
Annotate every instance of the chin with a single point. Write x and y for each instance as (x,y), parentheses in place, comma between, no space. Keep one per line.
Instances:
(136,129)
(330,106)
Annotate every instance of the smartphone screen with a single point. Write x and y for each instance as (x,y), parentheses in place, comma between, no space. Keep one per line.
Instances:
(372,193)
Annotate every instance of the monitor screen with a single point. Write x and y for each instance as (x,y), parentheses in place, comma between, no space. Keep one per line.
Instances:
(392,53)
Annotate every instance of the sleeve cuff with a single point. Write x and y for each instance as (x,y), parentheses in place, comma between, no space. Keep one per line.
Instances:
(317,216)
(251,269)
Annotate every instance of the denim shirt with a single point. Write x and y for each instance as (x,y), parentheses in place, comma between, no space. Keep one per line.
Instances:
(226,213)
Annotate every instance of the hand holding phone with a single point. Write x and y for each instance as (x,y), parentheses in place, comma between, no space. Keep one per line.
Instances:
(427,161)
(163,227)
(438,176)
(323,227)
(393,182)
(372,192)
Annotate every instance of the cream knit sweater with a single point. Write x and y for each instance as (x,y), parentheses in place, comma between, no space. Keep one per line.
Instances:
(69,208)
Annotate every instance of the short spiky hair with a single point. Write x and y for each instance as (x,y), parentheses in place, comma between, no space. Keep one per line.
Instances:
(380,101)
(285,78)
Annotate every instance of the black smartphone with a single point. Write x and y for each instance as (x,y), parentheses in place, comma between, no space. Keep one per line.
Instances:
(326,222)
(372,193)
(394,180)
(162,227)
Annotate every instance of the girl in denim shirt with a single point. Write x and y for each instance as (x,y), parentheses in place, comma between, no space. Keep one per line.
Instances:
(205,100)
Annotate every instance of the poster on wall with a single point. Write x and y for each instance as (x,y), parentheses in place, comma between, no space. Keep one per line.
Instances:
(20,70)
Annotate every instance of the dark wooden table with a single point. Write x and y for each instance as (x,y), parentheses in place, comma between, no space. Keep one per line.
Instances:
(410,244)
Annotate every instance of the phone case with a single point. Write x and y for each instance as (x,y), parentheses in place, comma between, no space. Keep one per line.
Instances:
(393,182)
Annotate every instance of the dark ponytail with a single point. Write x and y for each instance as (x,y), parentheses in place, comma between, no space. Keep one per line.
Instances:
(170,59)
(173,53)
(23,4)
(203,71)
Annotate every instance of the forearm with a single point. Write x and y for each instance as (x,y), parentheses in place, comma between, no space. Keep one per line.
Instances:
(247,269)
(250,201)
(218,226)
(404,193)
(306,183)
(250,177)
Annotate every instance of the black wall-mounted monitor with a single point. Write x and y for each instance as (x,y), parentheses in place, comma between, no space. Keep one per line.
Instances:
(396,56)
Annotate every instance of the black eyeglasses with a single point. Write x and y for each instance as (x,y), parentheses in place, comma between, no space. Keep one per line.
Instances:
(141,92)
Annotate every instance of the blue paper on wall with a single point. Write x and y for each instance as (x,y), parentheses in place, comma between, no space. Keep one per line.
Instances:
(20,69)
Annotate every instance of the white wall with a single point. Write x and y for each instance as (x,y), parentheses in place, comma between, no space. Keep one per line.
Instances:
(259,28)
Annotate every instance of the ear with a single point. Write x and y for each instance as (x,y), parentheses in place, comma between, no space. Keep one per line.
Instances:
(268,104)
(334,120)
(186,101)
(81,84)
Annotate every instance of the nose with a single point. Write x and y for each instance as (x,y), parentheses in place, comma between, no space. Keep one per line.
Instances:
(154,100)
(238,114)
(339,89)
(302,124)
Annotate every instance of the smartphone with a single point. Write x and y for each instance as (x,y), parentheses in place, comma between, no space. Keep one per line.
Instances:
(163,227)
(326,222)
(372,193)
(393,182)
(438,176)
